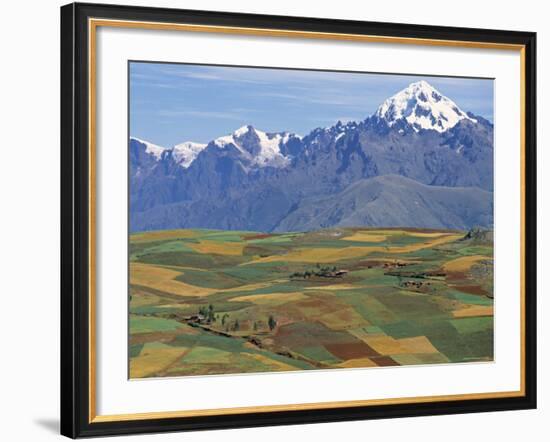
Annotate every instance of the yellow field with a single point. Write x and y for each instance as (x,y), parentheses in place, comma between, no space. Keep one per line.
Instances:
(357,363)
(418,344)
(329,255)
(163,235)
(424,234)
(384,344)
(411,233)
(387,345)
(463,264)
(474,310)
(163,279)
(316,255)
(365,237)
(178,305)
(153,358)
(276,365)
(218,248)
(341,319)
(181,268)
(139,299)
(437,241)
(271,298)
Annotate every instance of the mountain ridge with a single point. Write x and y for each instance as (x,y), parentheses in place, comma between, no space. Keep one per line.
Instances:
(249,174)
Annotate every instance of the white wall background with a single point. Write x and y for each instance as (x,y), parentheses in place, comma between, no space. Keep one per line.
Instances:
(29,221)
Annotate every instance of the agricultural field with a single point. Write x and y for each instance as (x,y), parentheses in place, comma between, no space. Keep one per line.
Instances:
(216,302)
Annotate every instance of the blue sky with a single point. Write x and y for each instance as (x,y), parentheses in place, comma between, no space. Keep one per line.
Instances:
(172,103)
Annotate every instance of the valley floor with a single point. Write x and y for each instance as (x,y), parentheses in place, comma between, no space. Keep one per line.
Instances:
(214,302)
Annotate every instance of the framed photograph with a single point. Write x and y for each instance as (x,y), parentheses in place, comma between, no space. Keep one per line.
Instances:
(274,220)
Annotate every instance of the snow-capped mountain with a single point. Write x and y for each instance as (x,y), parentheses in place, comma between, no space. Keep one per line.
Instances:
(186,152)
(422,107)
(150,148)
(418,146)
(258,148)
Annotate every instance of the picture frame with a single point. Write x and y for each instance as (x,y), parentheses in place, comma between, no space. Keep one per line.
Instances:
(80,175)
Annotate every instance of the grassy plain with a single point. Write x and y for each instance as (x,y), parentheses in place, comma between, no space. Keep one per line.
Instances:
(214,302)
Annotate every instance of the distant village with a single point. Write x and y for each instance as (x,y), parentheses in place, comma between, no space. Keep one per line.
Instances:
(321,272)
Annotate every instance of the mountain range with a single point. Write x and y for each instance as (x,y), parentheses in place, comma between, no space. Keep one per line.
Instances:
(418,161)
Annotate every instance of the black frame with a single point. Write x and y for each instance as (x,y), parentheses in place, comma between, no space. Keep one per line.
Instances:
(75,220)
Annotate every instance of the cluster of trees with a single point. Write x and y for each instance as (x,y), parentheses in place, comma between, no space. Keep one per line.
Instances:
(322,271)
(225,317)
(209,315)
(236,325)
(271,322)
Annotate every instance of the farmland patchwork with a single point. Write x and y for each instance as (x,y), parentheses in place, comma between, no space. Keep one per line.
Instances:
(217,302)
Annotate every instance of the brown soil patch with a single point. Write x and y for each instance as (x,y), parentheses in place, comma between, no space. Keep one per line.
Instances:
(164,336)
(456,276)
(471,289)
(351,350)
(385,361)
(258,236)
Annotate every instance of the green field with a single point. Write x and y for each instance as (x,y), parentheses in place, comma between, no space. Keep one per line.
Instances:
(213,302)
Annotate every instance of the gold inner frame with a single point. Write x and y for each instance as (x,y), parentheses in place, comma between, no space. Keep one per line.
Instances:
(93,24)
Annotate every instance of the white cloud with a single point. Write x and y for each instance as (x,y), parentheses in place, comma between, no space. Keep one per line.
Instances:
(202,114)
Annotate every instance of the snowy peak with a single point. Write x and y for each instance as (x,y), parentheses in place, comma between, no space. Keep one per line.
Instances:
(243,130)
(185,153)
(151,148)
(422,107)
(258,148)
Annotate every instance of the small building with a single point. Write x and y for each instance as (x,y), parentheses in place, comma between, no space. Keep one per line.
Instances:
(196,318)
